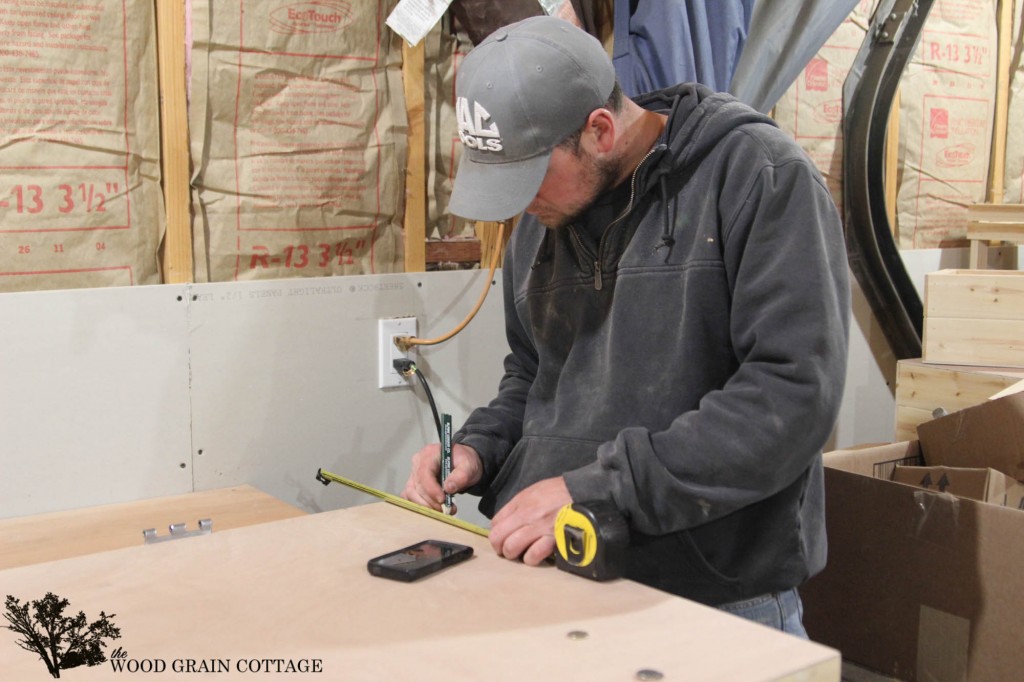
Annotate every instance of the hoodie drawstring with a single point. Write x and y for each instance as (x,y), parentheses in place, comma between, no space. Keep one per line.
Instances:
(668,214)
(545,251)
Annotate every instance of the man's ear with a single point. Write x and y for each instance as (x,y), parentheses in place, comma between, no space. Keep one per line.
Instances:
(599,135)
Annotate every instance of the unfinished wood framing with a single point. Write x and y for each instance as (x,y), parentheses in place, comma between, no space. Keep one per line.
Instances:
(996,221)
(479,250)
(416,168)
(177,252)
(453,251)
(174,148)
(997,167)
(990,223)
(987,223)
(488,235)
(176,162)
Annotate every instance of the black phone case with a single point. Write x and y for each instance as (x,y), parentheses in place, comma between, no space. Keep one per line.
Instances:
(418,560)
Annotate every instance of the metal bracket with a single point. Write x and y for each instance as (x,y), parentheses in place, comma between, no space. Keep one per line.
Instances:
(890,30)
(177,530)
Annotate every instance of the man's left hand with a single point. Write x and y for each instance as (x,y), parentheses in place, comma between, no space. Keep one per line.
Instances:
(526,525)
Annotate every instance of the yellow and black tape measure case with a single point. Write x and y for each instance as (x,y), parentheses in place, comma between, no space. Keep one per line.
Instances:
(591,540)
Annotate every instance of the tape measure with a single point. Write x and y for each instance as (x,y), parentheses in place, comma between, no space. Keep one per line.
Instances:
(326,477)
(591,540)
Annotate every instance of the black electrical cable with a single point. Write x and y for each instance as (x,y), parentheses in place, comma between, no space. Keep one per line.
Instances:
(404,366)
(430,398)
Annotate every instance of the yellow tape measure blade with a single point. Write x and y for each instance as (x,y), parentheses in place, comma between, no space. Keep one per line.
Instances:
(327,477)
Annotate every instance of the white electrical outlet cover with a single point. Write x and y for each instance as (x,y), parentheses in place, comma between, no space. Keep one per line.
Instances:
(388,352)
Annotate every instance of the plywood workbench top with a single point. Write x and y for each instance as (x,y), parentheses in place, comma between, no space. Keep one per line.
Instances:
(297,590)
(60,535)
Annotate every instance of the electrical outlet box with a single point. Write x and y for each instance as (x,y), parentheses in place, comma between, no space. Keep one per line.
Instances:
(387,352)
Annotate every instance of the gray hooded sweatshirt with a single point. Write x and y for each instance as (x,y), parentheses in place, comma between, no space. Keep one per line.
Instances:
(689,366)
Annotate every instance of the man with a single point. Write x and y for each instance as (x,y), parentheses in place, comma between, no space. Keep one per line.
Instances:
(676,304)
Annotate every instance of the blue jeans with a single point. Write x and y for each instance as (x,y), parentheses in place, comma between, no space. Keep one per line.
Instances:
(780,610)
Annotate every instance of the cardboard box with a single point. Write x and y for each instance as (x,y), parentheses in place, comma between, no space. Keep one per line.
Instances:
(990,434)
(974,317)
(984,484)
(923,388)
(922,585)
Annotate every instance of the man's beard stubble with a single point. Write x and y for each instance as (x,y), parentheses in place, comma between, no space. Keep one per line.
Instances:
(602,176)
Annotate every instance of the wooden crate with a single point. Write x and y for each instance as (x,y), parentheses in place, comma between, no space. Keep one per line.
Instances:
(974,317)
(922,388)
(993,223)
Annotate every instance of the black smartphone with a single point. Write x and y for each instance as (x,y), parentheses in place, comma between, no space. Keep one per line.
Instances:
(415,561)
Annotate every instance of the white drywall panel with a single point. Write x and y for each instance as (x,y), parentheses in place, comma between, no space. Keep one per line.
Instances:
(867,412)
(94,399)
(96,384)
(284,380)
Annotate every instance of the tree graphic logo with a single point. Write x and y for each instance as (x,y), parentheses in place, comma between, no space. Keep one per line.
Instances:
(61,641)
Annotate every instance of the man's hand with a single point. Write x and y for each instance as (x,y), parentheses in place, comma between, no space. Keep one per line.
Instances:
(423,487)
(526,525)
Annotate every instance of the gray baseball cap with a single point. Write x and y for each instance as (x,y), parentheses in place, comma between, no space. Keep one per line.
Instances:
(519,93)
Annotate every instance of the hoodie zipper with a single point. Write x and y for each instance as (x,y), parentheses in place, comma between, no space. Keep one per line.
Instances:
(598,270)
